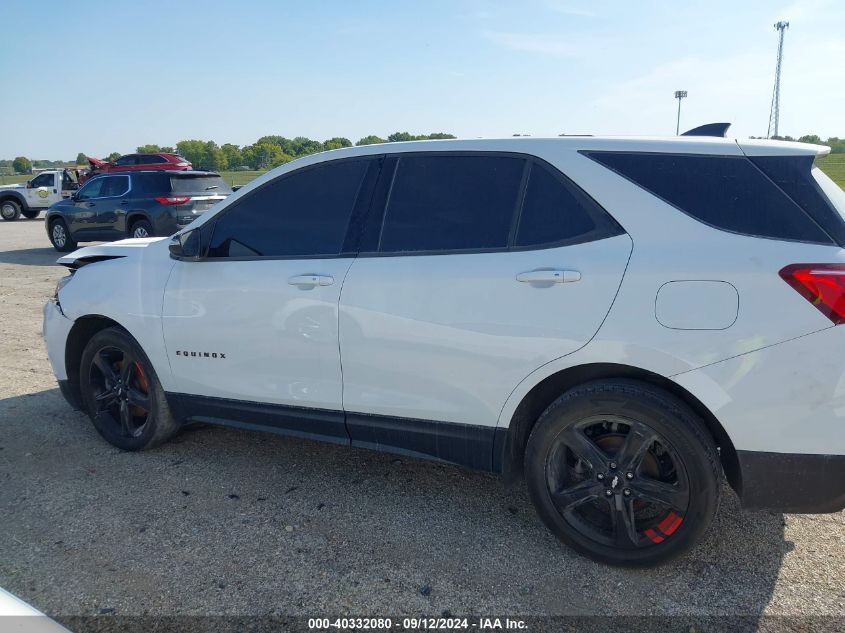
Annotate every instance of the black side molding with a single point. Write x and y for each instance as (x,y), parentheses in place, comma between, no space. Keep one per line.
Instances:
(709,129)
(466,445)
(792,482)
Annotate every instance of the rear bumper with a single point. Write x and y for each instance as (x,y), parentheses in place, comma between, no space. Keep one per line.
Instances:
(791,482)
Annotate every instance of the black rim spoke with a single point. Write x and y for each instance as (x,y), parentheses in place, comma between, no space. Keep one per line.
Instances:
(104,365)
(637,442)
(577,494)
(138,399)
(126,418)
(126,369)
(106,399)
(585,449)
(674,496)
(623,521)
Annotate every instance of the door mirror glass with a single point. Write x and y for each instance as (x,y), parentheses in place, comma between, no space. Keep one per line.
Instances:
(185,245)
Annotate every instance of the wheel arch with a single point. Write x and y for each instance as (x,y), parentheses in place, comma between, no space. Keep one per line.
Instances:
(510,445)
(135,216)
(82,331)
(14,195)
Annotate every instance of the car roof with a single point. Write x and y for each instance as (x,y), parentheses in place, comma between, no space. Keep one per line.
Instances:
(180,173)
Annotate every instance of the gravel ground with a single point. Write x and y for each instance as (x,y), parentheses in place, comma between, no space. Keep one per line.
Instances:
(227,522)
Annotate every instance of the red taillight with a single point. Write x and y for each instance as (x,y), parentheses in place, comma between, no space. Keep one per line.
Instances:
(170,200)
(823,285)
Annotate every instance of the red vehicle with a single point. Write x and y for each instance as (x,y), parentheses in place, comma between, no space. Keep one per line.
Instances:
(137,162)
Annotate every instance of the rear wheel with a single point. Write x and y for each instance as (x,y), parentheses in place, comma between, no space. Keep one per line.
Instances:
(60,236)
(122,394)
(141,228)
(623,472)
(10,210)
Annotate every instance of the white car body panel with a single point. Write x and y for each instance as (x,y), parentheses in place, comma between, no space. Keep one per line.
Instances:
(447,337)
(288,352)
(455,338)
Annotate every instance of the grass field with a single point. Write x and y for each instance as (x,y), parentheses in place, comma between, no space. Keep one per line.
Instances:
(833,165)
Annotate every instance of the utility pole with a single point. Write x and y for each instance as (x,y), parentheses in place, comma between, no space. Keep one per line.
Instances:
(679,94)
(774,115)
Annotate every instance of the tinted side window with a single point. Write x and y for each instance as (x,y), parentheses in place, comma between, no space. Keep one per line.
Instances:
(305,213)
(126,160)
(149,184)
(91,189)
(556,210)
(793,174)
(114,186)
(725,192)
(151,159)
(442,203)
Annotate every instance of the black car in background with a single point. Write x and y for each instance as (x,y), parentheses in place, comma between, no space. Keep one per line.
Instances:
(133,204)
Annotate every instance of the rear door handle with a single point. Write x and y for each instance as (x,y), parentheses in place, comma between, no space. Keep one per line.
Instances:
(311,280)
(549,276)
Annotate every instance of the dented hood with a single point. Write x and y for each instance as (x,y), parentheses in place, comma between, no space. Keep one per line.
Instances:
(112,250)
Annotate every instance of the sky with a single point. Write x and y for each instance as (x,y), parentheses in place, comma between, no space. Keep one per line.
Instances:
(103,77)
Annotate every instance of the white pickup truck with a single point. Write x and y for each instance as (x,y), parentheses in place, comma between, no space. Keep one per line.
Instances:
(39,192)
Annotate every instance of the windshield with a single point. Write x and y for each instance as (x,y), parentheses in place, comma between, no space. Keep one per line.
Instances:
(831,190)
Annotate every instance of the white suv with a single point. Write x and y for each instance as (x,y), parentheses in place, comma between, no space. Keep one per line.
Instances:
(618,320)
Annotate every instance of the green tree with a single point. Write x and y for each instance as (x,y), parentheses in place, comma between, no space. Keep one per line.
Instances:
(233,155)
(400,136)
(113,156)
(810,138)
(168,150)
(215,159)
(372,139)
(194,151)
(303,146)
(148,149)
(264,155)
(22,165)
(81,159)
(336,143)
(439,135)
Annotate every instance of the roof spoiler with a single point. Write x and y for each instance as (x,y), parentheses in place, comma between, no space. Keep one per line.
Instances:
(709,129)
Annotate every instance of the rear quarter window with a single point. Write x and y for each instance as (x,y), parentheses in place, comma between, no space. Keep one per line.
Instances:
(726,192)
(206,185)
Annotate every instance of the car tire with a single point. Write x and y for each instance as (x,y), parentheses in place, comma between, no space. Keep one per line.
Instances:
(60,236)
(122,394)
(10,210)
(31,214)
(623,472)
(141,228)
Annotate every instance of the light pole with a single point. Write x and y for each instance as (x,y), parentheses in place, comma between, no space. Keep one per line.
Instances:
(679,94)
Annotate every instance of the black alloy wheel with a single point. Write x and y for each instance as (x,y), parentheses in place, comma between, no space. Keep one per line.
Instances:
(623,472)
(122,393)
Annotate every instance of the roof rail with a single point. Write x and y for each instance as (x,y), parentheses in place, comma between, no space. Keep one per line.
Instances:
(709,129)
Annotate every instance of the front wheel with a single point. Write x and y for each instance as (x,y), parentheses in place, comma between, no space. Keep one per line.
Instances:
(122,394)
(623,472)
(10,210)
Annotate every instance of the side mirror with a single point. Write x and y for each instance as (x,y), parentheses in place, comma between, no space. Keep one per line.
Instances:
(185,246)
(29,184)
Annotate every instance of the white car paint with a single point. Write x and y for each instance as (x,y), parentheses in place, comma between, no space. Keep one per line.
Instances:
(457,339)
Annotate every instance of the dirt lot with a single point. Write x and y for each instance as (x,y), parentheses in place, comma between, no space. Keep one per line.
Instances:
(231,522)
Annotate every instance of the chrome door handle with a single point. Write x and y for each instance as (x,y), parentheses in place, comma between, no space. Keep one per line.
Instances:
(311,280)
(549,276)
